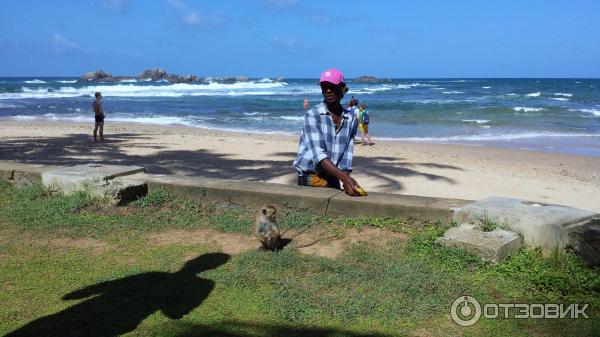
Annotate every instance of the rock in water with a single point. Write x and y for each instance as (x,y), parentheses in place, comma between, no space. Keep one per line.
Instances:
(371,79)
(97,75)
(153,74)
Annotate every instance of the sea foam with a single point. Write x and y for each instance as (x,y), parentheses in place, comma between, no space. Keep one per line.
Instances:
(36,81)
(478,121)
(534,94)
(527,109)
(495,137)
(171,90)
(595,112)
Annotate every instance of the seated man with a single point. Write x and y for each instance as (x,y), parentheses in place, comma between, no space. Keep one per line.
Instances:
(326,146)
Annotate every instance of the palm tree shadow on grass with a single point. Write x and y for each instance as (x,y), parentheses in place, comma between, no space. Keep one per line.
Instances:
(118,306)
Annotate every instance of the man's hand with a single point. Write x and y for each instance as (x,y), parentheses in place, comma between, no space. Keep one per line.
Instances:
(350,185)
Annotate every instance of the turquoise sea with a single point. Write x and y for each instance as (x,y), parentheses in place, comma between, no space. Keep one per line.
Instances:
(556,115)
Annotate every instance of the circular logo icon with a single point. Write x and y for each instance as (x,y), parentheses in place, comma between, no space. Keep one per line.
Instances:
(465,311)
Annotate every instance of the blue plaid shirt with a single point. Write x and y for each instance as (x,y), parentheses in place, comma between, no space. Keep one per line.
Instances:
(319,140)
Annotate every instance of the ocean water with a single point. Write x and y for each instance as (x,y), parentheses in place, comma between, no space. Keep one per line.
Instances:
(556,115)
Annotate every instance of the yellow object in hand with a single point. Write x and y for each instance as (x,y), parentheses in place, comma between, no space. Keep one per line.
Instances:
(361,191)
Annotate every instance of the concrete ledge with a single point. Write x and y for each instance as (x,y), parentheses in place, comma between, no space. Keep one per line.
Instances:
(322,200)
(250,193)
(75,178)
(253,194)
(23,174)
(395,205)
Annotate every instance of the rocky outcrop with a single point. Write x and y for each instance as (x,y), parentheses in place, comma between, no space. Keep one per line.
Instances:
(154,74)
(371,79)
(98,75)
(232,79)
(158,74)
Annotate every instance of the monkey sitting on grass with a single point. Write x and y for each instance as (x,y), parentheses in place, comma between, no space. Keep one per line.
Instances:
(267,231)
(266,228)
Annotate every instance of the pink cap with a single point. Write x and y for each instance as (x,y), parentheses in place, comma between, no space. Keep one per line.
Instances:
(332,76)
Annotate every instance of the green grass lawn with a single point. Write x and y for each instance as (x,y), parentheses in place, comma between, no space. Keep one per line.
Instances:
(70,267)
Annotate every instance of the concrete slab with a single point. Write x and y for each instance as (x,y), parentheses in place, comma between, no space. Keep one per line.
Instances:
(70,179)
(21,174)
(394,205)
(250,193)
(542,225)
(492,246)
(119,191)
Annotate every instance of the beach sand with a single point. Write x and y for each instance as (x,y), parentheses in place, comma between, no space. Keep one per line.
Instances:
(439,170)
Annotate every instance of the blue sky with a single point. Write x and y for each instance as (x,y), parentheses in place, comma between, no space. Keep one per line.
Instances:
(294,38)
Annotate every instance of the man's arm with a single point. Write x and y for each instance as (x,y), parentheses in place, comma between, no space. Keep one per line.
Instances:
(350,184)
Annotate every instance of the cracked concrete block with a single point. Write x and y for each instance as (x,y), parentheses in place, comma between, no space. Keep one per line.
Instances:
(71,179)
(492,246)
(550,227)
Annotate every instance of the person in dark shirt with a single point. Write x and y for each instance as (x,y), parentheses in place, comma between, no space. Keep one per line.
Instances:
(99,115)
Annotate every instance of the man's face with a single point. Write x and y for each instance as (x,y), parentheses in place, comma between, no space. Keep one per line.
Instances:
(331,92)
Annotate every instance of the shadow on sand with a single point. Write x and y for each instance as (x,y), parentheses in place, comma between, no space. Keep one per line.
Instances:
(77,149)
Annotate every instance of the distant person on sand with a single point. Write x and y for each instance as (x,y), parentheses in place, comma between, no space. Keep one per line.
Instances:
(305,105)
(326,147)
(363,124)
(99,115)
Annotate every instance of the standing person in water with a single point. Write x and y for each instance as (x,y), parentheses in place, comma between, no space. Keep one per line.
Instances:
(363,124)
(305,105)
(99,116)
(326,147)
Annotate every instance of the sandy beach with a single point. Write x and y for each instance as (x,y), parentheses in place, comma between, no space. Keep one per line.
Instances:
(451,171)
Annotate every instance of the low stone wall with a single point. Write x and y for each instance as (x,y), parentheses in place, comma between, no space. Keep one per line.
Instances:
(255,194)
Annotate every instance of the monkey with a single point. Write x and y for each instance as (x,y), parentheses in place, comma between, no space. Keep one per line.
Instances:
(266,228)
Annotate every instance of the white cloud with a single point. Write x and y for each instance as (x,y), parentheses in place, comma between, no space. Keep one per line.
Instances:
(193,18)
(298,8)
(61,44)
(113,6)
(290,45)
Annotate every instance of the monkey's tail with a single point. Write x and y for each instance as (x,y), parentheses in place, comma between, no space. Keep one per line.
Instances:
(313,242)
(297,234)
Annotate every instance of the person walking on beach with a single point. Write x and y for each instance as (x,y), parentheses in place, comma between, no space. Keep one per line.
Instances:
(99,115)
(363,124)
(305,105)
(326,147)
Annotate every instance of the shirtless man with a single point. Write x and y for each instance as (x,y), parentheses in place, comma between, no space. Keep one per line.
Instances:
(99,116)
